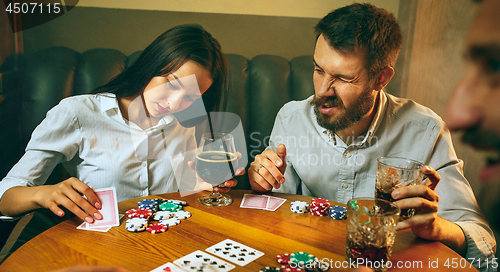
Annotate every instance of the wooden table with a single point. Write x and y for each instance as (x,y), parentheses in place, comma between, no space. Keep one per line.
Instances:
(270,232)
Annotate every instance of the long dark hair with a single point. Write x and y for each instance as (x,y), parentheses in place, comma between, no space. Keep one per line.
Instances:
(184,42)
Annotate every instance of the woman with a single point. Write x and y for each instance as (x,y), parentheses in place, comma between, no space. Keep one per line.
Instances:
(125,134)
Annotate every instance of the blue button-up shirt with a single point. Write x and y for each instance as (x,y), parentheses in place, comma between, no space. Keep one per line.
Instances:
(322,165)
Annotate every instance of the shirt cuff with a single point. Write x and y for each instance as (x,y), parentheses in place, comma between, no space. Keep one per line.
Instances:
(481,246)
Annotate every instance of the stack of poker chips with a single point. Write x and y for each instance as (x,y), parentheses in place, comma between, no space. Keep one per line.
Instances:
(136,224)
(338,212)
(299,207)
(300,262)
(320,206)
(167,212)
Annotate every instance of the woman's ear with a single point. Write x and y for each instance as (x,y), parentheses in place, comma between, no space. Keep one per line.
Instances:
(384,77)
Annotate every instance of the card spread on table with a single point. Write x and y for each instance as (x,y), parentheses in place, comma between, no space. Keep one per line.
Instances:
(235,252)
(201,261)
(168,267)
(109,209)
(264,202)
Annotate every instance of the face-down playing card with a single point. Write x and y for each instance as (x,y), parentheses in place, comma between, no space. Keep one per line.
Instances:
(201,261)
(235,252)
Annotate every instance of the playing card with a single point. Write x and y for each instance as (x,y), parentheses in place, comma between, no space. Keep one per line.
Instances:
(168,267)
(235,252)
(274,203)
(83,226)
(201,261)
(254,201)
(109,210)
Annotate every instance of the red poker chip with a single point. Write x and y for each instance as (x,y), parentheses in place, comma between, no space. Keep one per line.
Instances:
(283,258)
(320,201)
(141,213)
(157,228)
(288,268)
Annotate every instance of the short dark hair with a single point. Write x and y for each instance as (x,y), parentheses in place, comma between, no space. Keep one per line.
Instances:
(363,28)
(166,52)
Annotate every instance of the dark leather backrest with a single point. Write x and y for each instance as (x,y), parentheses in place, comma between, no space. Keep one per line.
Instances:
(259,88)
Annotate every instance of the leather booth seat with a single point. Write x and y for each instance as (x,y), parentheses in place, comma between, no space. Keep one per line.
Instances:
(259,88)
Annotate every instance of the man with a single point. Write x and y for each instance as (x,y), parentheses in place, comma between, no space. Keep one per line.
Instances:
(475,104)
(327,145)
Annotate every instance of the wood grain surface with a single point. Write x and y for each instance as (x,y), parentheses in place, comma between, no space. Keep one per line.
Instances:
(273,233)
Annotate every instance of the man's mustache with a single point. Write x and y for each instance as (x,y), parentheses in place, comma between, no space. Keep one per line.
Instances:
(333,100)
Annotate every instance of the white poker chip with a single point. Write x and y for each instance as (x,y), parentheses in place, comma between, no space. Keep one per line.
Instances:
(178,202)
(182,214)
(170,222)
(162,215)
(136,224)
(137,221)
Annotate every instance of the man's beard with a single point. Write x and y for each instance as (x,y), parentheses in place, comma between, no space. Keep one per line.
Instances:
(348,117)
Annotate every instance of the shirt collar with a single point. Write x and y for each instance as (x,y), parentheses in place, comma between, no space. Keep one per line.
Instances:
(377,119)
(109,102)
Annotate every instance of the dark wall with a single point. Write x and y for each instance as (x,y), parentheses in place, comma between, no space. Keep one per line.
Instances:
(84,28)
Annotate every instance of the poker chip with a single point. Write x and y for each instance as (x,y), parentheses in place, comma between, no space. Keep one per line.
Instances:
(320,206)
(170,222)
(141,213)
(162,215)
(288,268)
(157,228)
(147,202)
(270,269)
(182,214)
(172,207)
(178,202)
(136,224)
(283,258)
(302,258)
(299,207)
(338,212)
(160,201)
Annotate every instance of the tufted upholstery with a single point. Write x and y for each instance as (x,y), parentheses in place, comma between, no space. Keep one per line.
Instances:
(260,87)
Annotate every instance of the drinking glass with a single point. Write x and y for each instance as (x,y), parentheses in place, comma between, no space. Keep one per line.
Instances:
(371,231)
(394,172)
(216,162)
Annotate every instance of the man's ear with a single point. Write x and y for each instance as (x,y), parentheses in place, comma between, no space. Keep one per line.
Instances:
(384,77)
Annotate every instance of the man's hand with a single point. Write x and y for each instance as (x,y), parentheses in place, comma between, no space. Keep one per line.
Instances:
(426,223)
(69,194)
(266,171)
(227,185)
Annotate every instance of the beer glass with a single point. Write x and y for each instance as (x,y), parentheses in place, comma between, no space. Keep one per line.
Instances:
(216,162)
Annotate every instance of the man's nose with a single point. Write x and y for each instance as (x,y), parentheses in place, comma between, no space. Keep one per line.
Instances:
(462,111)
(327,86)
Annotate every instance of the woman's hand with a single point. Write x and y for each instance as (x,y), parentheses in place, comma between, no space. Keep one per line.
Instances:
(224,187)
(72,194)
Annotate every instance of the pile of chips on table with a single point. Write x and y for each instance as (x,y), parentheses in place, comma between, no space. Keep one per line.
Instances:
(297,262)
(319,207)
(167,212)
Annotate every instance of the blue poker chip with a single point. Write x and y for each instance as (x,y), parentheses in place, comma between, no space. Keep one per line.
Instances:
(338,212)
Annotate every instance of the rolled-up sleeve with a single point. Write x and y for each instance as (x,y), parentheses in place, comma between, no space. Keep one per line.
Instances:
(457,203)
(56,139)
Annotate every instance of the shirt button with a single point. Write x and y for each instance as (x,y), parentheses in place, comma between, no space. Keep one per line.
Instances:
(348,154)
(345,185)
(144,164)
